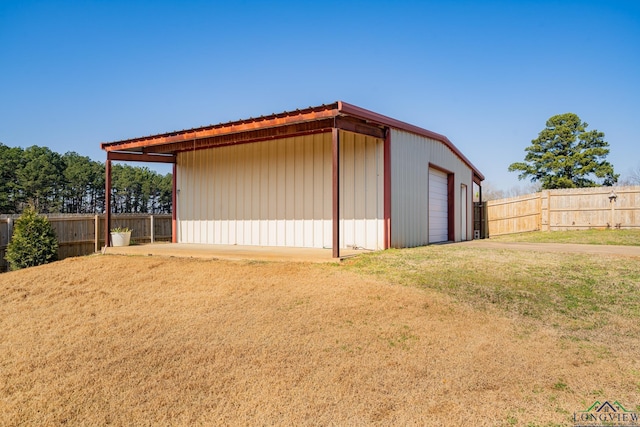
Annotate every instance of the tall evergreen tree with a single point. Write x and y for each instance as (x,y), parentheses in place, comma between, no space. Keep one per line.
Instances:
(166,193)
(97,187)
(42,179)
(10,165)
(78,174)
(566,155)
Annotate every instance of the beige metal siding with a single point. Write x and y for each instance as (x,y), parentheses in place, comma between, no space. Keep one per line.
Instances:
(362,191)
(411,156)
(279,193)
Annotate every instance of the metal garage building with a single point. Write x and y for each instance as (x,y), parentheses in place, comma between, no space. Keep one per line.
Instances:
(333,176)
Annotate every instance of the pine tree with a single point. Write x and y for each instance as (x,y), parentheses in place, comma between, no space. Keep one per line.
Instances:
(566,155)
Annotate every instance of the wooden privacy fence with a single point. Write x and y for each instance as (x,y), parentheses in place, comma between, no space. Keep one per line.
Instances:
(566,209)
(480,223)
(77,233)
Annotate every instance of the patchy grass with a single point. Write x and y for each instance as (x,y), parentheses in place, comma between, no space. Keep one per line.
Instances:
(443,335)
(582,296)
(589,237)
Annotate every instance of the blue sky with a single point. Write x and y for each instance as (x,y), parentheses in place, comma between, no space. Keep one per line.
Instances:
(488,74)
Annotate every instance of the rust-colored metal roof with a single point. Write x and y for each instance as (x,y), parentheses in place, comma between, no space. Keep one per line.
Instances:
(299,122)
(234,127)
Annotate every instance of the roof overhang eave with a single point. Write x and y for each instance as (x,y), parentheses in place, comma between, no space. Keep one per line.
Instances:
(264,123)
(309,120)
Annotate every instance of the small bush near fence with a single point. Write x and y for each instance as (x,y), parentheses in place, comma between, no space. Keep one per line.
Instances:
(33,242)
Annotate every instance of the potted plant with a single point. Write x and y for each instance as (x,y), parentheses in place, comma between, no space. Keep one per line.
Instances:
(120,236)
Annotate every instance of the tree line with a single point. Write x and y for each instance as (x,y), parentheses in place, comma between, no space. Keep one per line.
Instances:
(71,183)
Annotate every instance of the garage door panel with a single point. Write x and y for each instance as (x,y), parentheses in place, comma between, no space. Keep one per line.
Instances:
(438,206)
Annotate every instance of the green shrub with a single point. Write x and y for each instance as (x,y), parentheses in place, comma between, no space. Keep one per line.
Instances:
(33,243)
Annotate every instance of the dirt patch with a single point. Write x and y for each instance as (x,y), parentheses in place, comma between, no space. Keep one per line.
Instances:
(168,341)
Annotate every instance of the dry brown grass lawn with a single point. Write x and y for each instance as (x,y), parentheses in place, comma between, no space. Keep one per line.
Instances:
(163,341)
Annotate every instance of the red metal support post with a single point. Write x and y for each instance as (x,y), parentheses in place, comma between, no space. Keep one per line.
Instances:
(107,202)
(451,224)
(174,204)
(335,147)
(483,229)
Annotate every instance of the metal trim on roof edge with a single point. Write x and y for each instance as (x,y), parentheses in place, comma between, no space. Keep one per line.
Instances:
(279,119)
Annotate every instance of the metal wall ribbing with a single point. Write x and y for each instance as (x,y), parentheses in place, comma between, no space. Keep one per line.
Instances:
(411,157)
(279,193)
(361,191)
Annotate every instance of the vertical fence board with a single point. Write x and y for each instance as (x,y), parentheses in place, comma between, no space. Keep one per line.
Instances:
(521,213)
(4,241)
(566,209)
(77,233)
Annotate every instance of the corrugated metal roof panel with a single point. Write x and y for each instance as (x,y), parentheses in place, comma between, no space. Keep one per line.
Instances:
(286,123)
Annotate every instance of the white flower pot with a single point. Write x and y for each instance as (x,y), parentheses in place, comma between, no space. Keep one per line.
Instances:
(120,239)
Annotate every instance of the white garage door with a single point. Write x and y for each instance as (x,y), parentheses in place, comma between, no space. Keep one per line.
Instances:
(438,207)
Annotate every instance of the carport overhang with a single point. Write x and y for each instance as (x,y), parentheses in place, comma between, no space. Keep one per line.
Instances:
(164,148)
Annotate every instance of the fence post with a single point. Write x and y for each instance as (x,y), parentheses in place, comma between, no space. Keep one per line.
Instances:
(612,202)
(545,210)
(96,226)
(152,227)
(539,211)
(549,210)
(9,229)
(485,220)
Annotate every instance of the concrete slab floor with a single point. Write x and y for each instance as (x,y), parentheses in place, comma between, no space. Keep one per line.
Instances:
(233,252)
